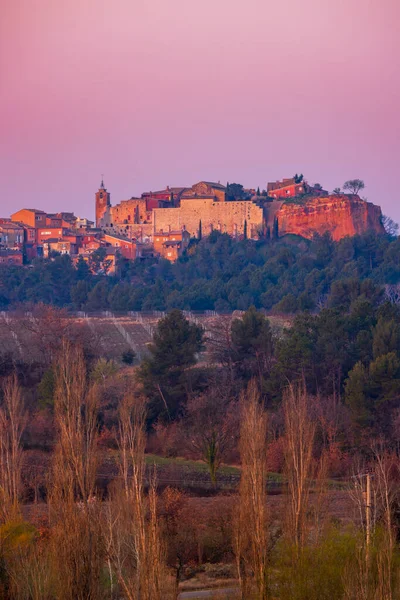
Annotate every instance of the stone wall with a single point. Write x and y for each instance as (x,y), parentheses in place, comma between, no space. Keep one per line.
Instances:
(129,211)
(227,217)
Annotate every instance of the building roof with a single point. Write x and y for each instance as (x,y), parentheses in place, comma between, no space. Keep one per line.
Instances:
(118,237)
(218,186)
(174,190)
(10,225)
(197,197)
(34,210)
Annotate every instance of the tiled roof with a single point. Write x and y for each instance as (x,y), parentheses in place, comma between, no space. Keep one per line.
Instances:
(218,186)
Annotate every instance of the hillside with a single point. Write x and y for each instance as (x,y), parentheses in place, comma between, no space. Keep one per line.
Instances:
(218,273)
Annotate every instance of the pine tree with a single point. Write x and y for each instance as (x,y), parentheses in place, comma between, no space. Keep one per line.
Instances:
(245,230)
(258,191)
(200,230)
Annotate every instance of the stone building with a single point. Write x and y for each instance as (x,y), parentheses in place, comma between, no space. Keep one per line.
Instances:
(11,234)
(30,216)
(129,211)
(292,187)
(206,189)
(171,244)
(206,213)
(103,203)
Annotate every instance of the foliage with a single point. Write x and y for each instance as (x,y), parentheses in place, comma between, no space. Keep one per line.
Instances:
(220,273)
(128,357)
(165,374)
(354,186)
(234,191)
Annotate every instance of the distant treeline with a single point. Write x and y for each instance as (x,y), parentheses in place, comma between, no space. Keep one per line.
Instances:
(289,275)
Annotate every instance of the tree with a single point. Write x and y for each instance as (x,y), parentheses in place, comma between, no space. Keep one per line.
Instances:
(252,345)
(258,191)
(336,190)
(386,337)
(391,227)
(208,427)
(354,186)
(317,186)
(76,409)
(104,369)
(298,178)
(128,357)
(245,229)
(165,374)
(131,527)
(275,229)
(98,262)
(200,230)
(250,536)
(299,443)
(234,191)
(12,424)
(74,512)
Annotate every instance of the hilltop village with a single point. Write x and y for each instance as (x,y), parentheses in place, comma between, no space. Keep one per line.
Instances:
(162,223)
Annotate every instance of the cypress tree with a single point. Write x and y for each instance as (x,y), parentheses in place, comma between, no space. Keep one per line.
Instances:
(275,234)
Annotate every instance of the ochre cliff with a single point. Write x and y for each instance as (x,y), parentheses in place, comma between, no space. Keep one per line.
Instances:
(341,215)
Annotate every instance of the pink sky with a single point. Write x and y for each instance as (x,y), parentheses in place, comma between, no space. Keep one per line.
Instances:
(168,92)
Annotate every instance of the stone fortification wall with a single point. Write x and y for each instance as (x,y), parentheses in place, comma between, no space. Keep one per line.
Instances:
(227,217)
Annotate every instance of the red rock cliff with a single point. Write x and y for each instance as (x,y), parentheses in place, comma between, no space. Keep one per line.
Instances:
(341,215)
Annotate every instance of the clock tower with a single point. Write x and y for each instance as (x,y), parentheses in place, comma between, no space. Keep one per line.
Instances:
(103,202)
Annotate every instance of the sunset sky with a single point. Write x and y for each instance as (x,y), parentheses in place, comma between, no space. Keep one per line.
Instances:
(169,92)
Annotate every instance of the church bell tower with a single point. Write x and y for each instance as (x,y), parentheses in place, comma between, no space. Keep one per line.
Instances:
(103,202)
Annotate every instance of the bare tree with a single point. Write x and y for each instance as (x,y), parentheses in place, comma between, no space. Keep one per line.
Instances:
(75,535)
(76,407)
(219,343)
(392,293)
(250,538)
(209,427)
(12,424)
(132,536)
(391,227)
(386,478)
(300,433)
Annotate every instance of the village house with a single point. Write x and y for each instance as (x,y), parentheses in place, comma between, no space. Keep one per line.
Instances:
(11,257)
(290,188)
(11,235)
(171,244)
(127,248)
(30,216)
(60,246)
